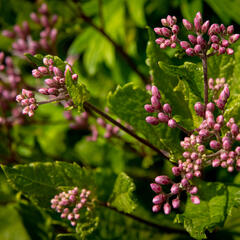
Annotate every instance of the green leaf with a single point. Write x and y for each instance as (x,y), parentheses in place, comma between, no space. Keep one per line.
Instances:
(136,9)
(190,8)
(231,12)
(233,108)
(217,202)
(122,196)
(36,59)
(190,73)
(77,91)
(11,225)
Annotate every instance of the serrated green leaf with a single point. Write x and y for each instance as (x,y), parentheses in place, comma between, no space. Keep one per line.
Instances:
(77,91)
(190,73)
(217,201)
(122,195)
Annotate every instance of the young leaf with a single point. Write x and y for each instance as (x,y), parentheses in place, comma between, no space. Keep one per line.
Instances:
(36,59)
(122,195)
(77,91)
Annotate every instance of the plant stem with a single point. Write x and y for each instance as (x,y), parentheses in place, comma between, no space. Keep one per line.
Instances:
(100,12)
(118,47)
(59,98)
(144,221)
(88,106)
(184,129)
(205,74)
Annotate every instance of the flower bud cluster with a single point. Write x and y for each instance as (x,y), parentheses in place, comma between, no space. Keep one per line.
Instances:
(203,37)
(71,204)
(10,82)
(27,101)
(24,42)
(170,200)
(207,137)
(164,112)
(77,122)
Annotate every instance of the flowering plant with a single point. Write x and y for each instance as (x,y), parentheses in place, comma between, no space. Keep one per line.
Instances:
(84,166)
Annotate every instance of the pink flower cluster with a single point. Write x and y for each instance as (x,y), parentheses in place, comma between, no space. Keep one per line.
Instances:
(24,42)
(28,101)
(70,204)
(203,37)
(164,112)
(77,122)
(10,82)
(214,134)
(163,199)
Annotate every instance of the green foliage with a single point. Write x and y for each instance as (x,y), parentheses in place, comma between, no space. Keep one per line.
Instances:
(122,195)
(77,91)
(217,201)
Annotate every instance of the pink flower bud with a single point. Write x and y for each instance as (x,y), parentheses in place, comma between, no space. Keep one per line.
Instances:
(156,208)
(230,29)
(176,171)
(158,31)
(53,91)
(155,103)
(230,51)
(192,39)
(197,24)
(226,145)
(197,48)
(176,203)
(199,108)
(36,73)
(216,162)
(204,133)
(167,108)
(74,77)
(234,129)
(166,32)
(184,182)
(8,34)
(237,150)
(230,161)
(234,38)
(163,180)
(164,22)
(187,24)
(24,102)
(222,50)
(175,29)
(210,107)
(57,72)
(43,70)
(172,123)
(156,188)
(167,208)
(185,45)
(214,39)
(160,40)
(186,154)
(159,199)
(162,117)
(43,91)
(152,120)
(190,52)
(189,175)
(220,104)
(214,144)
(224,43)
(26,110)
(149,108)
(19,98)
(193,190)
(201,41)
(175,189)
(195,199)
(53,34)
(194,156)
(205,26)
(155,92)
